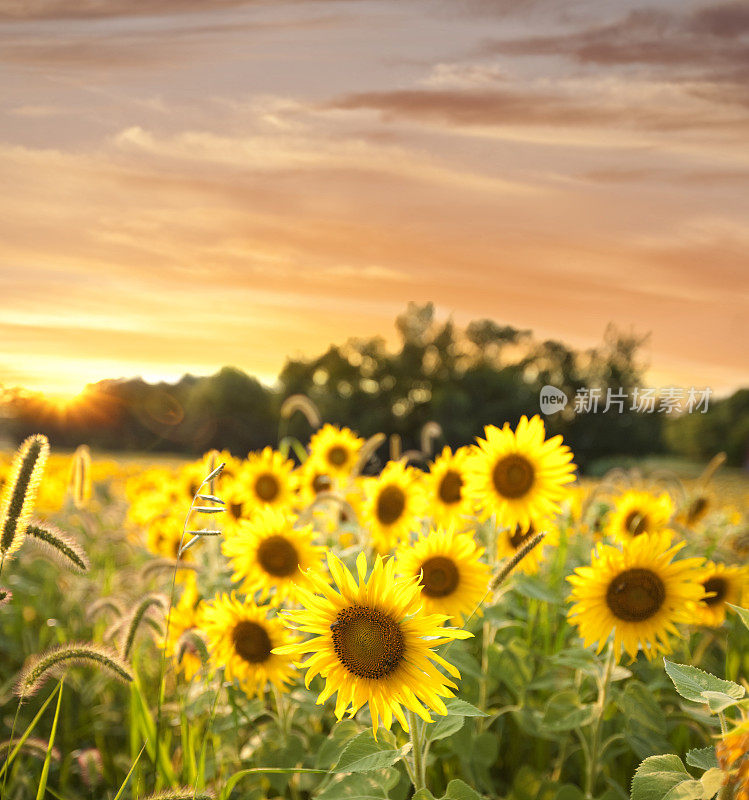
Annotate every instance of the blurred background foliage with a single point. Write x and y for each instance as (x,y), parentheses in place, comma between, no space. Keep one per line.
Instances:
(455,376)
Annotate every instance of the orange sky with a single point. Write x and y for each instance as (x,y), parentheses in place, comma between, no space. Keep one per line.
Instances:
(187,189)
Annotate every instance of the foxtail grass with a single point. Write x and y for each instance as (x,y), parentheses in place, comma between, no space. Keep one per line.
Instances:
(184,793)
(19,493)
(137,617)
(430,431)
(104,605)
(368,449)
(31,746)
(54,662)
(301,403)
(59,545)
(80,478)
(90,767)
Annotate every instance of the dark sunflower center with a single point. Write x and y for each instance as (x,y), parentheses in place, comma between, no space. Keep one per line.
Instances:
(635,595)
(321,483)
(696,509)
(450,487)
(267,487)
(513,476)
(236,510)
(251,642)
(717,585)
(636,523)
(367,642)
(440,577)
(390,504)
(520,538)
(337,455)
(278,556)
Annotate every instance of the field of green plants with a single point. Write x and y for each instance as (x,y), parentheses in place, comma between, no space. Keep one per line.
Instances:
(339,619)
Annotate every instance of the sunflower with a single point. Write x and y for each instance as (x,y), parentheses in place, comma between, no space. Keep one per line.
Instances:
(184,622)
(267,554)
(517,475)
(698,507)
(394,503)
(312,478)
(445,488)
(637,592)
(722,585)
(267,480)
(336,448)
(511,540)
(373,644)
(637,512)
(452,577)
(163,538)
(732,752)
(242,638)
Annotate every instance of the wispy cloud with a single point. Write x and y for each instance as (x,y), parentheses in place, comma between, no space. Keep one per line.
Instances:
(196,187)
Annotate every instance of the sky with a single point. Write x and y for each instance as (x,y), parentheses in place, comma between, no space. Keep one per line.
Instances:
(188,185)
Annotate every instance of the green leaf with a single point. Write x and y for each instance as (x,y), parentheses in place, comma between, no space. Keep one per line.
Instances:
(423,794)
(563,712)
(330,751)
(569,792)
(484,749)
(711,782)
(444,727)
(719,701)
(536,589)
(460,708)
(355,787)
(692,683)
(658,776)
(29,730)
(641,710)
(363,754)
(686,790)
(703,758)
(742,612)
(575,658)
(243,773)
(42,788)
(458,790)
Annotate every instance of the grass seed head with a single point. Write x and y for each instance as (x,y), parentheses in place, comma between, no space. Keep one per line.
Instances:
(137,617)
(59,545)
(80,477)
(55,661)
(300,402)
(19,493)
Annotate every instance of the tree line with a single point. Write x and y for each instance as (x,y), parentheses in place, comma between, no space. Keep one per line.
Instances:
(461,378)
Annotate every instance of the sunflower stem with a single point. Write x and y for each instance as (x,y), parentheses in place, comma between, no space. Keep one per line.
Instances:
(419,767)
(489,632)
(281,714)
(595,743)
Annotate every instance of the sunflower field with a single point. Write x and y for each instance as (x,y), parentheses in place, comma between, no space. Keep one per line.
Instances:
(320,621)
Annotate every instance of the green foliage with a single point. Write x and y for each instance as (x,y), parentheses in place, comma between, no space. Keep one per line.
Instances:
(702,687)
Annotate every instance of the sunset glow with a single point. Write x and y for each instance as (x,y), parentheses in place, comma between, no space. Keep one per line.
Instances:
(194,188)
